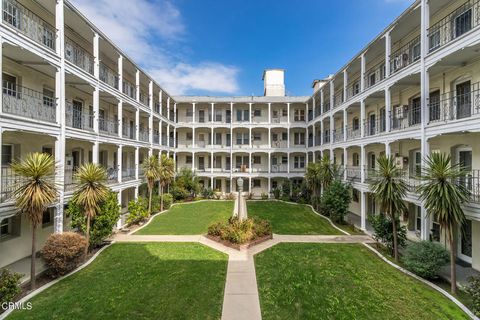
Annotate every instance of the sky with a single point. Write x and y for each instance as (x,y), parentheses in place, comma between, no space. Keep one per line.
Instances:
(221,47)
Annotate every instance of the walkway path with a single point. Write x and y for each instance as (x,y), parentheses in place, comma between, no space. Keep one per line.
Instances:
(241,300)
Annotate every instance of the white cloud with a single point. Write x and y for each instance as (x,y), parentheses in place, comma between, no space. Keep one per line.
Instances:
(145,30)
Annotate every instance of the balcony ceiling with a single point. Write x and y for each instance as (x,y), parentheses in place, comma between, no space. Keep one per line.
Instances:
(27,59)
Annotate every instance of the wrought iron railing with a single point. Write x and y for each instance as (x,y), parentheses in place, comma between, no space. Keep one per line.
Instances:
(129,89)
(28,103)
(405,55)
(405,117)
(143,135)
(109,127)
(453,26)
(453,105)
(9,182)
(353,132)
(77,118)
(112,175)
(78,56)
(128,132)
(374,127)
(128,174)
(354,173)
(338,98)
(338,135)
(353,88)
(108,76)
(29,24)
(144,99)
(375,74)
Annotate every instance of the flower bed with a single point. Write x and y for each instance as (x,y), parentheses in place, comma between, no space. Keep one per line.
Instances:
(238,234)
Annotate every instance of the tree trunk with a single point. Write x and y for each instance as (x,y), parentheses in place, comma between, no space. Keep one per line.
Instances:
(33,258)
(150,193)
(87,236)
(161,198)
(395,239)
(453,266)
(159,186)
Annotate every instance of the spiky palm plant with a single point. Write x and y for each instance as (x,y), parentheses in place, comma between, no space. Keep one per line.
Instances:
(389,189)
(36,192)
(166,175)
(91,190)
(151,171)
(443,194)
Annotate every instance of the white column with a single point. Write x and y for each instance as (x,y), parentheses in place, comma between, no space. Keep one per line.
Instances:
(332,127)
(211,163)
(119,162)
(120,73)
(345,84)
(250,136)
(362,118)
(120,118)
(388,48)
(288,113)
(194,113)
(250,162)
(362,72)
(363,210)
(96,55)
(193,161)
(213,112)
(388,109)
(322,102)
(174,137)
(137,163)
(160,101)
(362,163)
(321,132)
(269,113)
(136,192)
(60,180)
(160,132)
(96,108)
(137,123)
(137,85)
(388,149)
(345,163)
(250,112)
(345,124)
(168,109)
(95,151)
(119,197)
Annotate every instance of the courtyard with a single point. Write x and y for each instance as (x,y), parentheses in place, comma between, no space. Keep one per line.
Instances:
(309,270)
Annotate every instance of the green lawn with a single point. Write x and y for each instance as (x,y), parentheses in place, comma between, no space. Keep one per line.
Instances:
(189,218)
(290,218)
(139,281)
(342,281)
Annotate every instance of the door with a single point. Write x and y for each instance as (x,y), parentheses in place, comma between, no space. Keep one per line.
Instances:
(464,100)
(132,129)
(434,106)
(465,242)
(201,163)
(201,116)
(227,163)
(101,120)
(372,124)
(77,114)
(229,139)
(383,119)
(415,112)
(417,165)
(228,116)
(465,161)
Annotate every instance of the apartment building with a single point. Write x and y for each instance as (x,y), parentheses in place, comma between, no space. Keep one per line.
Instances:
(69,91)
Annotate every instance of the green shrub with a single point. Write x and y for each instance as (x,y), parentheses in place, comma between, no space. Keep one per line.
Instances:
(276,193)
(335,201)
(63,252)
(262,228)
(240,232)
(264,196)
(425,258)
(167,201)
(473,289)
(383,231)
(208,193)
(9,285)
(179,193)
(138,211)
(216,229)
(102,225)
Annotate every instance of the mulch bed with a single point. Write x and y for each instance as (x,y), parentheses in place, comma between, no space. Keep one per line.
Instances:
(240,246)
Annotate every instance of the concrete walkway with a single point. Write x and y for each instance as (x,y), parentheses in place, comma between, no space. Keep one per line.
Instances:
(241,300)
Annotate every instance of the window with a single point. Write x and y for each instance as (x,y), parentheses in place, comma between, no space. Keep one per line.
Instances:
(355,124)
(284,113)
(284,160)
(257,183)
(356,88)
(257,136)
(274,184)
(257,160)
(415,51)
(257,113)
(9,84)
(239,161)
(434,40)
(7,154)
(218,115)
(463,23)
(299,162)
(189,113)
(218,138)
(10,228)
(242,115)
(48,98)
(418,220)
(355,195)
(355,159)
(299,115)
(284,136)
(242,138)
(299,138)
(372,79)
(188,160)
(47,217)
(189,136)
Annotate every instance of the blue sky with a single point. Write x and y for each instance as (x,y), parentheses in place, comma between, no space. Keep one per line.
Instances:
(220,47)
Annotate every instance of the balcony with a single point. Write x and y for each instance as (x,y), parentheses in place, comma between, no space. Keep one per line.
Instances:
(171,142)
(128,174)
(374,126)
(354,173)
(10,181)
(112,175)
(128,132)
(326,107)
(459,104)
(353,132)
(405,56)
(338,135)
(338,99)
(69,179)
(326,137)
(375,74)
(279,119)
(28,103)
(456,24)
(279,144)
(354,88)
(78,56)
(164,140)
(318,140)
(108,76)
(76,118)
(109,127)
(144,98)
(143,135)
(405,117)
(156,138)
(129,89)
(279,168)
(29,24)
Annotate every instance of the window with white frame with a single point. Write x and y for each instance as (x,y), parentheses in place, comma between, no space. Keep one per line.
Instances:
(242,138)
(189,113)
(299,115)
(188,160)
(218,115)
(257,160)
(242,115)
(355,159)
(10,228)
(239,161)
(299,162)
(299,138)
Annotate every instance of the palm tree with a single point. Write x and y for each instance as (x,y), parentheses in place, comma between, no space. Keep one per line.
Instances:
(35,193)
(443,194)
(151,170)
(389,189)
(91,191)
(314,182)
(166,175)
(326,172)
